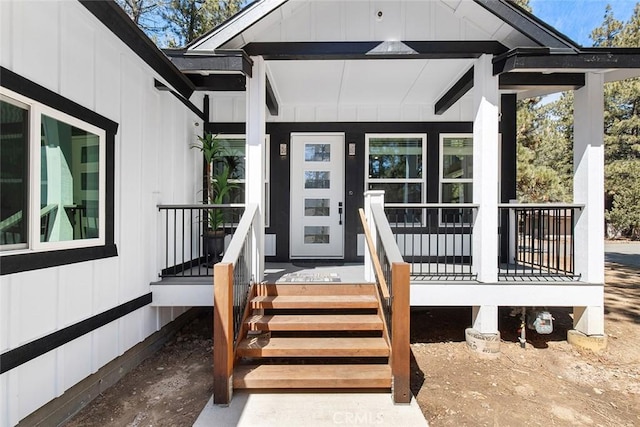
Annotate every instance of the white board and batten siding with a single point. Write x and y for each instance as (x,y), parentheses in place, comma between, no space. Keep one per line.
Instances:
(63,47)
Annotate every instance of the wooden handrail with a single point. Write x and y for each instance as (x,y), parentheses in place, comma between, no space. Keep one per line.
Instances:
(374,257)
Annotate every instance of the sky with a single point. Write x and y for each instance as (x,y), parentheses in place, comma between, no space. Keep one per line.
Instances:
(577,18)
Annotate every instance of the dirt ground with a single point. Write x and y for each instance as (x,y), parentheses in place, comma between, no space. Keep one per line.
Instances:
(548,383)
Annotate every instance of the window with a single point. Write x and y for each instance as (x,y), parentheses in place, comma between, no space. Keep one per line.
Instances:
(456,172)
(235,157)
(396,164)
(52,180)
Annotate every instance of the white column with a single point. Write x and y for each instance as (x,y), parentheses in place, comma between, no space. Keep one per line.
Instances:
(485,319)
(588,190)
(486,101)
(371,197)
(255,158)
(588,178)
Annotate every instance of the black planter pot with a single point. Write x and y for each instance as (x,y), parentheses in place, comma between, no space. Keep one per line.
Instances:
(213,246)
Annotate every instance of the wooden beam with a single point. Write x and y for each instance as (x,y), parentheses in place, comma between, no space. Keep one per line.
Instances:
(400,327)
(223,60)
(457,91)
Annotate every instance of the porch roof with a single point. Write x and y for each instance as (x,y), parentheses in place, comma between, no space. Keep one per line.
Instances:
(405,54)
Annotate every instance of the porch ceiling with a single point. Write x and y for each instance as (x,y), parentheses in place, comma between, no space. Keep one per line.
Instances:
(357,82)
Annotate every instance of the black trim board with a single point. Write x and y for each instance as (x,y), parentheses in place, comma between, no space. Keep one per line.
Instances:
(508,164)
(218,82)
(115,19)
(161,86)
(235,61)
(20,355)
(37,260)
(546,59)
(361,50)
(526,23)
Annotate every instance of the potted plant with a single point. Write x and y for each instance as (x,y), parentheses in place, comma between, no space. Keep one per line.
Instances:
(217,175)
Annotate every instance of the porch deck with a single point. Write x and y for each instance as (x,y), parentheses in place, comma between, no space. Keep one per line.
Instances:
(193,287)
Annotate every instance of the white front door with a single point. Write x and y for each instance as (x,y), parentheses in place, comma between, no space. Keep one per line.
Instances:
(317,195)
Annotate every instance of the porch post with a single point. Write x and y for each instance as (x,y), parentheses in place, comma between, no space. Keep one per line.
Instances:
(588,190)
(371,197)
(486,102)
(255,156)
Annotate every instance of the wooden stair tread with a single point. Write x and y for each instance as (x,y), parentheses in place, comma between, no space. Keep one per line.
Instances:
(312,376)
(313,347)
(314,301)
(307,322)
(316,289)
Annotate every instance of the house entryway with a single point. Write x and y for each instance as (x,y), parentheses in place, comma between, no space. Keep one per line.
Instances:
(317,196)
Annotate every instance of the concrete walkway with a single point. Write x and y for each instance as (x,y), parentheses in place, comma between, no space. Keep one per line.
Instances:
(625,253)
(283,409)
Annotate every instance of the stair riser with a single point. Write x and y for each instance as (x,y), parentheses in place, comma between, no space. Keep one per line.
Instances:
(268,327)
(316,289)
(312,384)
(329,352)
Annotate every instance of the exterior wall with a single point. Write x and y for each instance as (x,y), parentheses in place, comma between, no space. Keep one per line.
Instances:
(61,46)
(355,132)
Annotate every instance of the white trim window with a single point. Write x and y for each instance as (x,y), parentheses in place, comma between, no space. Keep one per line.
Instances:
(456,171)
(235,153)
(53,177)
(396,163)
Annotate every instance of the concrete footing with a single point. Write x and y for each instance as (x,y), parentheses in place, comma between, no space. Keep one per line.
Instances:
(487,345)
(588,342)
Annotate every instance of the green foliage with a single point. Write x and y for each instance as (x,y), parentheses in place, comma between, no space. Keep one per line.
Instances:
(217,178)
(623,191)
(189,19)
(545,163)
(545,135)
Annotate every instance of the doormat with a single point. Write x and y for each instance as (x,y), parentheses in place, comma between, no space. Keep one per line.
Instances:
(309,277)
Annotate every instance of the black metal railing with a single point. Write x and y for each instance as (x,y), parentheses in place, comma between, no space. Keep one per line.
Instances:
(190,246)
(435,239)
(537,241)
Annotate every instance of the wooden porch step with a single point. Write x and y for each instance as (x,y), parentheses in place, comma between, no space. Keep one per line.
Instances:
(316,289)
(307,322)
(314,301)
(256,347)
(312,376)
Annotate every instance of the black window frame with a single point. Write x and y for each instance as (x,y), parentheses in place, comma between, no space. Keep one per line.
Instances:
(28,261)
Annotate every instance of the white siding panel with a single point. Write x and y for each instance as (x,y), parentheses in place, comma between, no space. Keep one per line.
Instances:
(389,27)
(367,113)
(105,345)
(305,113)
(327,113)
(447,26)
(298,26)
(37,30)
(5,312)
(327,23)
(33,292)
(107,78)
(6,34)
(347,113)
(389,113)
(418,19)
(77,57)
(105,284)
(357,28)
(75,299)
(37,380)
(76,368)
(130,331)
